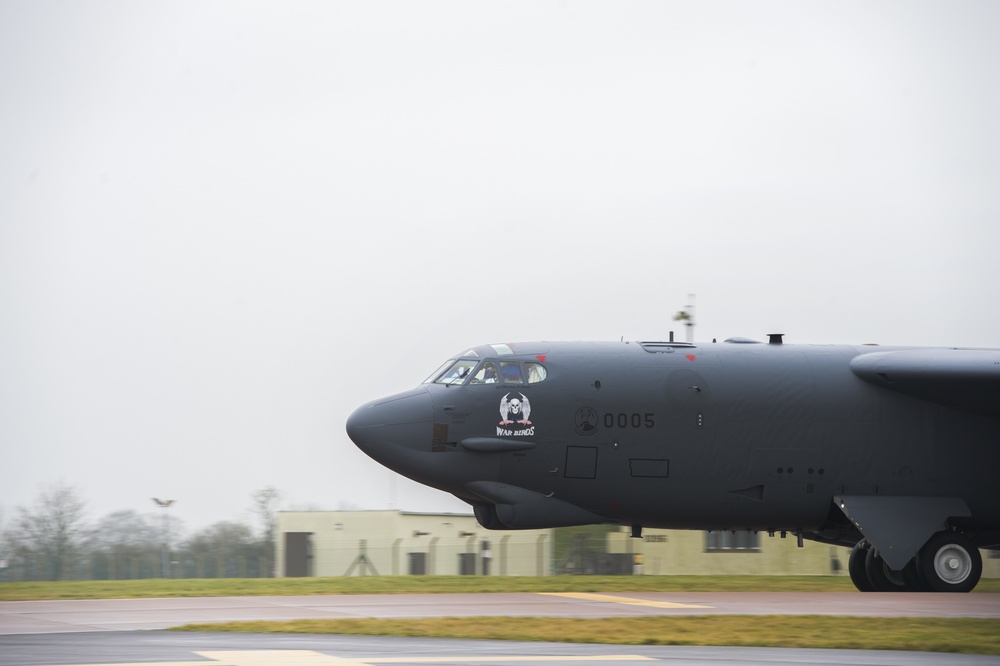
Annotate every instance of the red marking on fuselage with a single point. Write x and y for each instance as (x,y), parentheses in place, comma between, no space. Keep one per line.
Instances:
(541,357)
(690,357)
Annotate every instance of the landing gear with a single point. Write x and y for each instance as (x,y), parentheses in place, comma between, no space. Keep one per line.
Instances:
(870,573)
(885,579)
(881,577)
(950,562)
(856,566)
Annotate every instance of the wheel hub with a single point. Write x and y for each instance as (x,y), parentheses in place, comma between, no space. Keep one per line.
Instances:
(953,563)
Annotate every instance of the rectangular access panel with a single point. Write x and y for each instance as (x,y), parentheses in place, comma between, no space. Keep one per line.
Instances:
(298,554)
(649,467)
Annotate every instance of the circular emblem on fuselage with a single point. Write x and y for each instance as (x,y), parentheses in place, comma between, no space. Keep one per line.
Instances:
(585,421)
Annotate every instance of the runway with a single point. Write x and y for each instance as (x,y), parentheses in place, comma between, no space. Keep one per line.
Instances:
(117,631)
(163,648)
(28,617)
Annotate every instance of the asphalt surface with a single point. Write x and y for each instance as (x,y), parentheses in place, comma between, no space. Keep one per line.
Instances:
(126,631)
(161,648)
(25,617)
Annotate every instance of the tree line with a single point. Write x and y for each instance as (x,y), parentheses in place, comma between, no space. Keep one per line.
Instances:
(52,539)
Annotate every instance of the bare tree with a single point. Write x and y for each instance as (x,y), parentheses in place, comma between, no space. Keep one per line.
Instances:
(4,547)
(266,507)
(125,544)
(221,550)
(265,503)
(48,536)
(125,528)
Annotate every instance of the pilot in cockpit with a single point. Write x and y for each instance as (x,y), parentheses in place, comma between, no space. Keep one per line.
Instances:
(486,375)
(511,372)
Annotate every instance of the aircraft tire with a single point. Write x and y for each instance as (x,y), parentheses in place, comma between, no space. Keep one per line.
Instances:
(914,581)
(856,567)
(950,562)
(882,578)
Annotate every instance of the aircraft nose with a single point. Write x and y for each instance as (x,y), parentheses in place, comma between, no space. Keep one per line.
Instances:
(402,420)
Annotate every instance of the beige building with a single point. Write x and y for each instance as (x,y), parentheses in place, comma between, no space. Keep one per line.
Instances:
(353,543)
(688,552)
(357,543)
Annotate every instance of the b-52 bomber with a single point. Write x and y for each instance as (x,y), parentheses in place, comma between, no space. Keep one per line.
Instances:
(893,451)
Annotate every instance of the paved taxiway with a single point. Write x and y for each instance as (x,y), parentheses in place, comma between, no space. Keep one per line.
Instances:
(163,648)
(25,617)
(50,633)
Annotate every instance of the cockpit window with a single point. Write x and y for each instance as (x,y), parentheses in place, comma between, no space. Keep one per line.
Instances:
(510,372)
(463,371)
(536,372)
(457,373)
(437,373)
(452,372)
(487,374)
(503,350)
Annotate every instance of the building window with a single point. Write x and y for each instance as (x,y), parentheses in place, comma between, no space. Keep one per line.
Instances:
(727,542)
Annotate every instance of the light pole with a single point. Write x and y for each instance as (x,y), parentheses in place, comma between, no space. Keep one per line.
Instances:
(165,563)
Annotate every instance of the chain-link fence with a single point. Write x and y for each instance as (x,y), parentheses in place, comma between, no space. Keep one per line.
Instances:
(134,565)
(521,555)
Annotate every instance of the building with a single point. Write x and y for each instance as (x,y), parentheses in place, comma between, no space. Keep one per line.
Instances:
(357,543)
(690,552)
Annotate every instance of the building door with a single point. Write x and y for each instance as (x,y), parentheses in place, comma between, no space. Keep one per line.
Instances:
(298,554)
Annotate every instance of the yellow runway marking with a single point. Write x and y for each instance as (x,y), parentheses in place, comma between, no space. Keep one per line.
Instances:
(612,599)
(310,658)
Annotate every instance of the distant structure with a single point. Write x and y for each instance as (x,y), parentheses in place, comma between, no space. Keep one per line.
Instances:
(687,316)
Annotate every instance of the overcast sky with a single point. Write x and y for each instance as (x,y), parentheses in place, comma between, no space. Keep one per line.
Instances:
(225,225)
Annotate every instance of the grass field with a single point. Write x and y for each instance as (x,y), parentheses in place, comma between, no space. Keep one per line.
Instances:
(974,636)
(969,636)
(244,587)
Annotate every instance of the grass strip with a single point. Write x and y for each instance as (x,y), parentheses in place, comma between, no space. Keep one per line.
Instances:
(245,587)
(955,635)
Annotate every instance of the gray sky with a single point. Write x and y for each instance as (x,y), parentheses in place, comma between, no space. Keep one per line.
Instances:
(224,225)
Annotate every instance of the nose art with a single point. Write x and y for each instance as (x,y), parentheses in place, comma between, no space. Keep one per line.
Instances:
(402,420)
